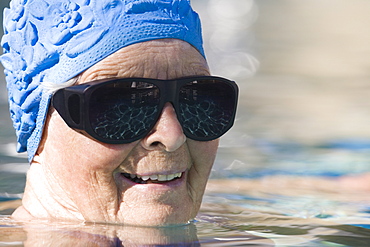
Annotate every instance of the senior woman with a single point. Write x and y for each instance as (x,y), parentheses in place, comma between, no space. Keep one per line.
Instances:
(114,103)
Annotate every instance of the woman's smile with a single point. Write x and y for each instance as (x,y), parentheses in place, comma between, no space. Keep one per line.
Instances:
(152,179)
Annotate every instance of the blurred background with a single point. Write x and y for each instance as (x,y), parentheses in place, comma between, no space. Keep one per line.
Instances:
(303,69)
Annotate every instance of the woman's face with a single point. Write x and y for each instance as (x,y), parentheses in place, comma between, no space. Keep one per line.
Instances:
(85,177)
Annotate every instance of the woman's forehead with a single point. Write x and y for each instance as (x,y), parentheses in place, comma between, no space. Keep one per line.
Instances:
(160,59)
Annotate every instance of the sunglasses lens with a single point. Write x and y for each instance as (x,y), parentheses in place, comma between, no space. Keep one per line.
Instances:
(124,112)
(207,108)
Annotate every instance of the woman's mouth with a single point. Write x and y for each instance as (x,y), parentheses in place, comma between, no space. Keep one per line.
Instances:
(157,179)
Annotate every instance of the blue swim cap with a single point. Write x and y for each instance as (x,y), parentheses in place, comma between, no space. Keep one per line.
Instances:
(55,40)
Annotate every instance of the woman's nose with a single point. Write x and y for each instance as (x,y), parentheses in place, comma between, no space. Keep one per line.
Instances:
(167,134)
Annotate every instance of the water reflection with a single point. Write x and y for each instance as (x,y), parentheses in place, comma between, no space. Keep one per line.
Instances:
(67,234)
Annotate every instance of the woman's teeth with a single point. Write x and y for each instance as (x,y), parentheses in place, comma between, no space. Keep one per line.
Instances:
(152,178)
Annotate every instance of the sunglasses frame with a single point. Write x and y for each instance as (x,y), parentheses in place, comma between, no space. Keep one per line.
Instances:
(65,101)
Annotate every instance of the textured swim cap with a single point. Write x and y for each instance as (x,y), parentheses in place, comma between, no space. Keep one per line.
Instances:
(55,40)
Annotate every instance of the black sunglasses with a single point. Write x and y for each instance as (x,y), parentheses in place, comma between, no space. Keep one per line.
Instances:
(124,110)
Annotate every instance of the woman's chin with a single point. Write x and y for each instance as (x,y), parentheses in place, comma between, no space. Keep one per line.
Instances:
(154,203)
(157,214)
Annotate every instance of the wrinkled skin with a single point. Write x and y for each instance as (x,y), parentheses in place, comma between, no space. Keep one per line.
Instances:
(73,177)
